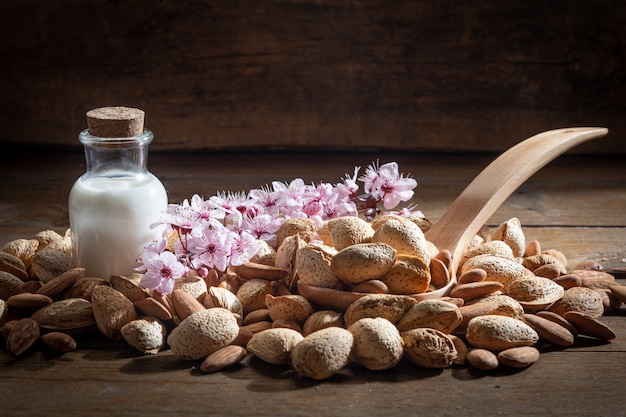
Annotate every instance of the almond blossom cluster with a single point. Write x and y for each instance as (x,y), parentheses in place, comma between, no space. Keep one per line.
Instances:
(201,234)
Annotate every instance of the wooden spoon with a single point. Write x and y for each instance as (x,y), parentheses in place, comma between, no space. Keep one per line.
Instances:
(480,200)
(486,193)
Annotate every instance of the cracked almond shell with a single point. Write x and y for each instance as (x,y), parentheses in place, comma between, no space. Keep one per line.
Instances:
(511,233)
(429,348)
(313,266)
(408,275)
(288,307)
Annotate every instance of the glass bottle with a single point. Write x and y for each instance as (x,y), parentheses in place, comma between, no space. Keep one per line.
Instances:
(113,206)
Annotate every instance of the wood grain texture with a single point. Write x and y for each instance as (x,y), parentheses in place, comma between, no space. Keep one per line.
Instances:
(300,74)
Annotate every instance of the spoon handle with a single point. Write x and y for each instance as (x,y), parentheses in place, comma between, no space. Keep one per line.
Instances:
(484,195)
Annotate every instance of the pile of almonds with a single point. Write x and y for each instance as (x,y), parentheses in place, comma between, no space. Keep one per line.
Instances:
(352,292)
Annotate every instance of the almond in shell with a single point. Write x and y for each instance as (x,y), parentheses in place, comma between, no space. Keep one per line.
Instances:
(363,262)
(203,333)
(580,299)
(147,335)
(349,230)
(389,306)
(322,354)
(377,343)
(434,314)
(13,265)
(70,315)
(22,248)
(112,310)
(408,275)
(497,333)
(9,285)
(274,345)
(405,237)
(313,266)
(429,348)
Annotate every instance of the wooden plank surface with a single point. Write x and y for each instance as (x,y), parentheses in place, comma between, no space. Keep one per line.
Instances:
(575,204)
(347,74)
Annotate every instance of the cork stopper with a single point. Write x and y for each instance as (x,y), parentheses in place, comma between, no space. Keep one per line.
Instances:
(115,122)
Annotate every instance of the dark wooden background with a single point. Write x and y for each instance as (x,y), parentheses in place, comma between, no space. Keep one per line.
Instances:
(301,74)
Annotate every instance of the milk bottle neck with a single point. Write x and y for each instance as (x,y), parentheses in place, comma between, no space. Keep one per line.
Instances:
(116,157)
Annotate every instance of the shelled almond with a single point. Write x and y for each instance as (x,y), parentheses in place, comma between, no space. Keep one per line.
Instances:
(511,299)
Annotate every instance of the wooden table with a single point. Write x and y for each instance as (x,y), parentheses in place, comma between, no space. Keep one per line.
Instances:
(576,204)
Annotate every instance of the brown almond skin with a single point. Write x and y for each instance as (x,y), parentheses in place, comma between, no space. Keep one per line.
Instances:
(151,307)
(518,357)
(111,310)
(28,301)
(223,358)
(473,290)
(257,327)
(243,337)
(589,326)
(549,330)
(533,248)
(130,289)
(287,324)
(59,341)
(619,291)
(373,286)
(262,314)
(22,335)
(553,317)
(184,303)
(473,275)
(551,271)
(482,359)
(568,281)
(439,274)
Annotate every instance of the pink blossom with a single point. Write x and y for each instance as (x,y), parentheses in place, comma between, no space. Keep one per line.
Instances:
(228,202)
(226,229)
(243,247)
(290,197)
(384,182)
(211,249)
(263,227)
(266,199)
(348,188)
(182,218)
(161,268)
